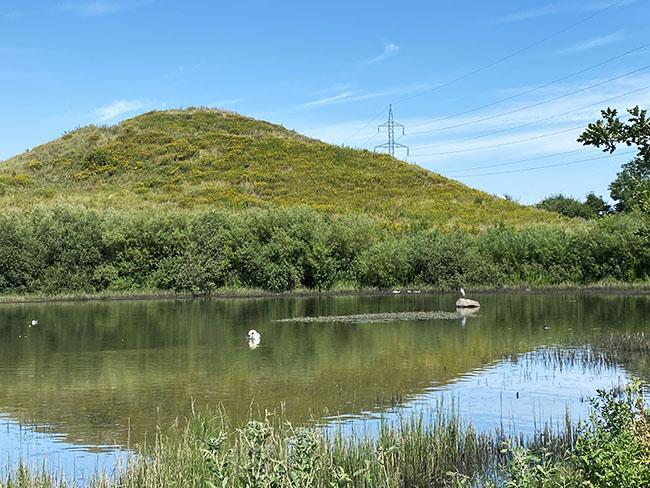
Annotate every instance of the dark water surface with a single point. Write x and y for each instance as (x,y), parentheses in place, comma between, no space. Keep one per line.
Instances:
(95,377)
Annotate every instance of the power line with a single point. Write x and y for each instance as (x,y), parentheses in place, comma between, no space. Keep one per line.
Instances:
(509,143)
(372,119)
(511,55)
(496,62)
(546,166)
(527,124)
(532,90)
(543,102)
(518,161)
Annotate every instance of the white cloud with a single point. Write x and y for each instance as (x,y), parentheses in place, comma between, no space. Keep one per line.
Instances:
(493,141)
(390,50)
(595,42)
(117,108)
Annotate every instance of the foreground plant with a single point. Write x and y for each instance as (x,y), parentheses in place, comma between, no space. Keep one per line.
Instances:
(611,450)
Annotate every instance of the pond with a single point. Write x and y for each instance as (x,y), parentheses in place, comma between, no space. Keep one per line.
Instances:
(93,379)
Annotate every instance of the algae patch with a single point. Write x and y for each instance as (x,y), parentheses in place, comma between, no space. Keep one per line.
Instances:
(374,318)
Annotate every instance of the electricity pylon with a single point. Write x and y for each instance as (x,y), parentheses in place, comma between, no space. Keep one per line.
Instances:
(390,126)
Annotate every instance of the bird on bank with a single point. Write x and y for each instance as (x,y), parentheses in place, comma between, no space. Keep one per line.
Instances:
(462,292)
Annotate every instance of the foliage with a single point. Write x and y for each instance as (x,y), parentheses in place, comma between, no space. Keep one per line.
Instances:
(631,188)
(70,250)
(567,206)
(611,450)
(597,205)
(201,159)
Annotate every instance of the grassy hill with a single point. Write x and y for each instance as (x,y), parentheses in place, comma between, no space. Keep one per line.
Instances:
(197,159)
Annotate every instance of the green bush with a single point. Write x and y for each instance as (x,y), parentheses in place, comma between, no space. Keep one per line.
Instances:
(69,249)
(451,260)
(385,264)
(17,260)
(611,452)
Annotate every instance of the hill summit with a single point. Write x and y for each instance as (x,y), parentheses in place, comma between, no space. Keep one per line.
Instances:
(196,159)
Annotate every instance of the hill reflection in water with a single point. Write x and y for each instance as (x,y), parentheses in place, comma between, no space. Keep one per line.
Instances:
(101,373)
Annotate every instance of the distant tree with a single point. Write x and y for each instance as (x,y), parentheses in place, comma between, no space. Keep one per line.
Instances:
(631,188)
(598,206)
(567,206)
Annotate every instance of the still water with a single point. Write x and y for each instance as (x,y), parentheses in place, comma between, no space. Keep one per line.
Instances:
(92,379)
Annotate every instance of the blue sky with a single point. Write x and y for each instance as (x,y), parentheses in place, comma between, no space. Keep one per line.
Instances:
(328,69)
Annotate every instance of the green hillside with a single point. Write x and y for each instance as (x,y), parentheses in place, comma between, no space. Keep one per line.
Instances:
(197,159)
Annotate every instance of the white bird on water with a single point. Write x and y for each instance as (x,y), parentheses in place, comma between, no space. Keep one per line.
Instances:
(253,338)
(462,292)
(34,323)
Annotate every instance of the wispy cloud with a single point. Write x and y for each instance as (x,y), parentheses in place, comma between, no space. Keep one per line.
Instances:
(556,9)
(117,108)
(341,97)
(532,13)
(96,8)
(336,88)
(595,42)
(481,139)
(357,96)
(86,8)
(390,50)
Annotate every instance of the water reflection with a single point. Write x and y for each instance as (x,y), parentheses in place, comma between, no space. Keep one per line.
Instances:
(38,447)
(518,395)
(101,373)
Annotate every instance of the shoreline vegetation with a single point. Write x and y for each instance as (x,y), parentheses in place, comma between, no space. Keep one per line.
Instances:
(607,287)
(610,449)
(436,449)
(72,252)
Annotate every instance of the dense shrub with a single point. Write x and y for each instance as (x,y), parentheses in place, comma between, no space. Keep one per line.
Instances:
(67,246)
(451,260)
(68,249)
(16,254)
(385,264)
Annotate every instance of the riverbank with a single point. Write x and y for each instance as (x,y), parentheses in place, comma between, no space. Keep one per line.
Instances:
(433,450)
(619,288)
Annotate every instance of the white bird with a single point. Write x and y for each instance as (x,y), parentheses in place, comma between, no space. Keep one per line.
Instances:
(462,292)
(34,323)
(253,338)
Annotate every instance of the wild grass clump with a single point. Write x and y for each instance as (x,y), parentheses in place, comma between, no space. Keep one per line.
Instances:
(69,250)
(612,449)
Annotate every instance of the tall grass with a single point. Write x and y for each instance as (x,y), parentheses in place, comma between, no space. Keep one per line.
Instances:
(611,450)
(437,450)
